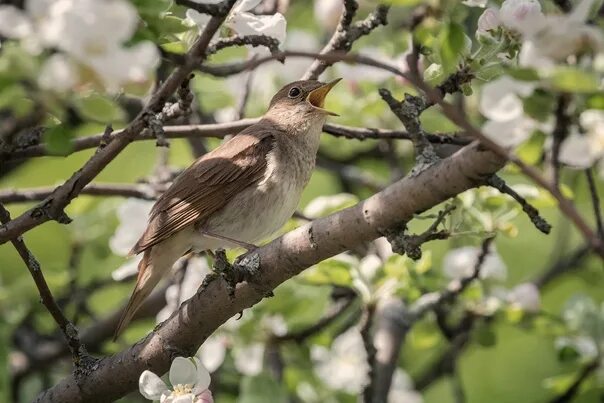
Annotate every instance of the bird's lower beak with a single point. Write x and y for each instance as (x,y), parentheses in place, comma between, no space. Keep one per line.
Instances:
(317,96)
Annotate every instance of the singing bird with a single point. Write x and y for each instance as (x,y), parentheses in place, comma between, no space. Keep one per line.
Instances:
(239,193)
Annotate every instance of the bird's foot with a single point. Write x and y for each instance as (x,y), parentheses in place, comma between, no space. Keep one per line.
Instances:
(242,269)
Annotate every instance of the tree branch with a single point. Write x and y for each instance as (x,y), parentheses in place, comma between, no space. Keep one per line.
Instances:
(498,183)
(139,191)
(280,260)
(78,351)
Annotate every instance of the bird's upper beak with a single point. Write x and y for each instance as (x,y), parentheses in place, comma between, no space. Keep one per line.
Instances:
(317,96)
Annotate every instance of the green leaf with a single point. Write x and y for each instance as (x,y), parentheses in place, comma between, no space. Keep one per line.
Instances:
(434,74)
(539,105)
(596,101)
(261,389)
(571,79)
(523,74)
(452,42)
(330,271)
(485,336)
(178,47)
(98,108)
(58,140)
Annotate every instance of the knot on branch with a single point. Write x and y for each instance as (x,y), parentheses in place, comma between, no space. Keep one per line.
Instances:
(408,111)
(410,244)
(45,209)
(456,81)
(243,269)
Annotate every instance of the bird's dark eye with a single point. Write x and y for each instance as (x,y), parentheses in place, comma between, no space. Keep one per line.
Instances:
(294,92)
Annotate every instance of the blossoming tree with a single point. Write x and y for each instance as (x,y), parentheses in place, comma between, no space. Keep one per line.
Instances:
(449,247)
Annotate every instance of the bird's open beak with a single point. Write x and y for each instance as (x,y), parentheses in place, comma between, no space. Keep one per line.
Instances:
(317,96)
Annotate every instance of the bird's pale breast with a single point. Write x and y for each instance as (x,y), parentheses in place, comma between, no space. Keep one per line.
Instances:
(259,211)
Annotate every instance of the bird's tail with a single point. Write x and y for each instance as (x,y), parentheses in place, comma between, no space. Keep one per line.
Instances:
(148,277)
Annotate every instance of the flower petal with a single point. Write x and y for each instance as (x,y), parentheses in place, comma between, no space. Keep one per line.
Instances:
(575,151)
(14,23)
(212,353)
(188,398)
(269,25)
(205,397)
(203,377)
(245,5)
(151,386)
(183,371)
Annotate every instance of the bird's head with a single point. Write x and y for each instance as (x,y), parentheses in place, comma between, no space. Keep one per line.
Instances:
(301,100)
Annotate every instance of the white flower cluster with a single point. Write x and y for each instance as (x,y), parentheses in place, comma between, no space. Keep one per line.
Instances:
(90,36)
(189,380)
(344,367)
(460,263)
(243,22)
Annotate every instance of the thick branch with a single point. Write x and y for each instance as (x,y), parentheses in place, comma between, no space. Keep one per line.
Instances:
(280,260)
(252,40)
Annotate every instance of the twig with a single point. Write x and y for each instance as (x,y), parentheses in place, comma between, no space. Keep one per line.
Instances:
(568,395)
(563,122)
(299,336)
(252,40)
(563,265)
(78,351)
(220,130)
(139,191)
(367,335)
(411,244)
(498,183)
(595,201)
(346,33)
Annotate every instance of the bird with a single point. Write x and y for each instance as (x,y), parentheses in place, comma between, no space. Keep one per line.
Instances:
(239,193)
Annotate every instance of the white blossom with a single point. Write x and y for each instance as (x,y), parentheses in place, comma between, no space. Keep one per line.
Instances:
(460,263)
(327,13)
(189,379)
(401,389)
(526,297)
(90,32)
(585,346)
(243,22)
(212,352)
(344,366)
(176,294)
(501,103)
(524,16)
(58,74)
(249,359)
(475,3)
(488,21)
(583,150)
(555,37)
(132,215)
(500,99)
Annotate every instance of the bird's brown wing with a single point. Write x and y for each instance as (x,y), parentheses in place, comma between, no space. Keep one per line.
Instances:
(208,184)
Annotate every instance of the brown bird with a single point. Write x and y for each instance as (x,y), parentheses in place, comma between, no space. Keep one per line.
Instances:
(239,193)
